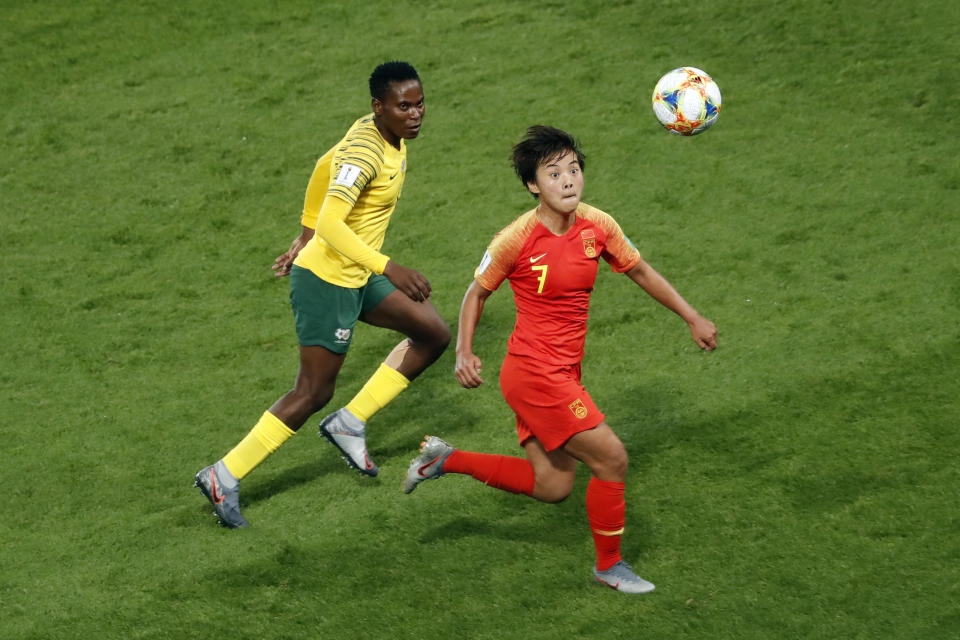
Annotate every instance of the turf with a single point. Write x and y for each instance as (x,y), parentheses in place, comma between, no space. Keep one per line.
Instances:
(800,482)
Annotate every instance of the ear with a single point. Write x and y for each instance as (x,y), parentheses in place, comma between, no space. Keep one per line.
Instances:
(533,188)
(377,106)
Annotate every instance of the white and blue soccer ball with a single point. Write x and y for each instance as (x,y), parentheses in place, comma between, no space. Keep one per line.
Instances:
(686,101)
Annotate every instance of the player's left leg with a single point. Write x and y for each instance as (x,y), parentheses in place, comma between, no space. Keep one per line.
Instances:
(427,335)
(603,452)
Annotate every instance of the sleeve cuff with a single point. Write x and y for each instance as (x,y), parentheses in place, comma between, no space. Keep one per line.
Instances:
(380,264)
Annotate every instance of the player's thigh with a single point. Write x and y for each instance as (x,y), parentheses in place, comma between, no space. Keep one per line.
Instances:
(554,471)
(601,450)
(417,320)
(324,314)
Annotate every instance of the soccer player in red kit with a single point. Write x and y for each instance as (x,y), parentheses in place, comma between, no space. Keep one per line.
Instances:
(551,255)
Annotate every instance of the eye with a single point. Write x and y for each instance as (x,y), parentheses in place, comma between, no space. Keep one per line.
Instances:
(554,174)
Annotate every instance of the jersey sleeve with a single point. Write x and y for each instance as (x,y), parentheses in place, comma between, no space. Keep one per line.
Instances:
(334,231)
(618,251)
(355,163)
(501,255)
(316,191)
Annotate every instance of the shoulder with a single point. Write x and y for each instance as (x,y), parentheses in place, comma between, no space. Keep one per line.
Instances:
(596,217)
(515,234)
(363,139)
(617,249)
(502,253)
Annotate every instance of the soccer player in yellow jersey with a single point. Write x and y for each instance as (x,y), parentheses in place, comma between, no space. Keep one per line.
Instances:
(338,276)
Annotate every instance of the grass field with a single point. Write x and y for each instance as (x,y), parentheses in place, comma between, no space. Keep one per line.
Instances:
(799,482)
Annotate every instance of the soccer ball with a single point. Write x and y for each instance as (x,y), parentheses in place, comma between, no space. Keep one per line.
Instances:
(686,101)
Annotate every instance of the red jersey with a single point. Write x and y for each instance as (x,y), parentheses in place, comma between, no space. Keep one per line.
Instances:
(552,278)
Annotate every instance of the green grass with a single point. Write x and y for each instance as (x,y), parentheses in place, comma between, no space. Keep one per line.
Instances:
(800,482)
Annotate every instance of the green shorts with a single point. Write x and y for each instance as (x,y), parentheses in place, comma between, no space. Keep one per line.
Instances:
(326,314)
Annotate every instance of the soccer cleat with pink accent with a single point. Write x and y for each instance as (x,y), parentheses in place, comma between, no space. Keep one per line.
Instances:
(345,431)
(223,492)
(622,578)
(428,463)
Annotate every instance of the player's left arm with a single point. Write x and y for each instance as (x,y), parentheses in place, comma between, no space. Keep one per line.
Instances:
(703,331)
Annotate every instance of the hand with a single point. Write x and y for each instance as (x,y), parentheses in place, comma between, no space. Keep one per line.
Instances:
(283,263)
(408,281)
(467,370)
(704,333)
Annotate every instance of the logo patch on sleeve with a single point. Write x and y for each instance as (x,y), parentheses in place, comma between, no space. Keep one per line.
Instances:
(348,175)
(487,259)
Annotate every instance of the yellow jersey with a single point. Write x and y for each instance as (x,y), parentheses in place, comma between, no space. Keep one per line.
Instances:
(366,172)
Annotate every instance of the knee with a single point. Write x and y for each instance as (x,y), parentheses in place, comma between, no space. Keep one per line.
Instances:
(433,337)
(439,336)
(619,465)
(553,496)
(313,393)
(613,466)
(552,490)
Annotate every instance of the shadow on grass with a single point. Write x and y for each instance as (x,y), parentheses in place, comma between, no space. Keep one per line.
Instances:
(254,492)
(466,527)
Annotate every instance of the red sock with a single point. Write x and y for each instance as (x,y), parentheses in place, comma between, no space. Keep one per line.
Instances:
(606,511)
(502,472)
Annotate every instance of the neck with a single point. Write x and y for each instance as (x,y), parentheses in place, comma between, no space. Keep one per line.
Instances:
(557,223)
(392,140)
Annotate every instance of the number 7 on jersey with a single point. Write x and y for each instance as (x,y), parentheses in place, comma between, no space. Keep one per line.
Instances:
(542,268)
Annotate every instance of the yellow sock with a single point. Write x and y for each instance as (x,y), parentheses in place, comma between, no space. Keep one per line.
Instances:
(265,437)
(385,385)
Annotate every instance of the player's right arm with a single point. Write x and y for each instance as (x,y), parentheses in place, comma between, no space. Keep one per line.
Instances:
(281,266)
(468,366)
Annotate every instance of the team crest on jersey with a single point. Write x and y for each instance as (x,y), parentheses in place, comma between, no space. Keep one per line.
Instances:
(342,335)
(589,243)
(579,409)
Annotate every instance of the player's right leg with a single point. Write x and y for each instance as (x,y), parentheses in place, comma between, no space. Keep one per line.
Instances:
(428,464)
(313,389)
(546,476)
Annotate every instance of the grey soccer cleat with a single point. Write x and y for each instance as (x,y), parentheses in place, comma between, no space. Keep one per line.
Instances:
(622,578)
(428,463)
(345,431)
(223,491)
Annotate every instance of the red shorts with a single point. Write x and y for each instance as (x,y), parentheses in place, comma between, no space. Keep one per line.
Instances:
(550,403)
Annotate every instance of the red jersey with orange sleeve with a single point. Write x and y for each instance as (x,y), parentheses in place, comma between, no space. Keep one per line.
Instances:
(552,278)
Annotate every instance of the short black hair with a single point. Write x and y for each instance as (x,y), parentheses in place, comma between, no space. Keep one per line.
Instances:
(542,144)
(388,72)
